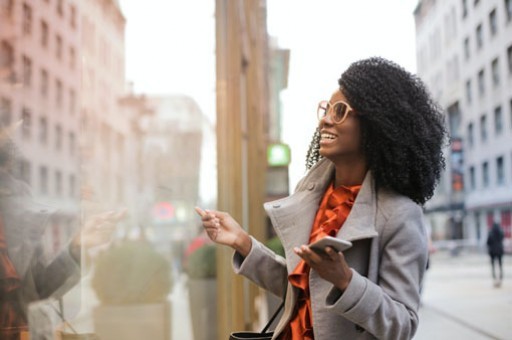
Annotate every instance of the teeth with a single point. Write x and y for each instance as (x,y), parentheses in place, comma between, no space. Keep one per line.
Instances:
(327,136)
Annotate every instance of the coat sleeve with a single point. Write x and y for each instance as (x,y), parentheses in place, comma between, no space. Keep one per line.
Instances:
(263,267)
(388,310)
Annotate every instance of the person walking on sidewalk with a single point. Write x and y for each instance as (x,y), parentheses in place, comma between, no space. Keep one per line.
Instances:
(375,158)
(495,250)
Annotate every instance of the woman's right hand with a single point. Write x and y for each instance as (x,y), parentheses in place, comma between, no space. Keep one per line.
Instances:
(223,229)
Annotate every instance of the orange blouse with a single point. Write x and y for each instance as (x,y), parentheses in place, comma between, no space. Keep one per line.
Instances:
(332,213)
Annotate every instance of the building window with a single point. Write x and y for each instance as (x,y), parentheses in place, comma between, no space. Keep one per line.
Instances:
(72,184)
(58,46)
(43,180)
(470,135)
(495,67)
(509,59)
(27,123)
(43,130)
(5,111)
(493,24)
(58,183)
(483,127)
(476,2)
(44,33)
(510,107)
(500,171)
(71,143)
(44,83)
(464,8)
(27,71)
(481,82)
(472,180)
(27,19)
(58,92)
(58,137)
(72,16)
(468,90)
(479,37)
(72,57)
(72,101)
(7,62)
(60,7)
(508,8)
(485,174)
(498,120)
(25,171)
(467,49)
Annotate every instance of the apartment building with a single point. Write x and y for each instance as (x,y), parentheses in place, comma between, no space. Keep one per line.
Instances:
(40,85)
(464,54)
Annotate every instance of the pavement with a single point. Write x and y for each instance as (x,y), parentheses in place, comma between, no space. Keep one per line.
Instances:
(460,301)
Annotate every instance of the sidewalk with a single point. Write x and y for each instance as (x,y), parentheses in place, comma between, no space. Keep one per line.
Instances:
(459,300)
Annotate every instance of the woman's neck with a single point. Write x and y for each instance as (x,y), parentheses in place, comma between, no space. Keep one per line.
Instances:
(350,173)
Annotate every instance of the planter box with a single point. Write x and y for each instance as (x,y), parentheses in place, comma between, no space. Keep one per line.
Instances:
(203,308)
(133,322)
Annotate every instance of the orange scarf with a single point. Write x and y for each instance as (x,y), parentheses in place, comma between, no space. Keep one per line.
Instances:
(332,213)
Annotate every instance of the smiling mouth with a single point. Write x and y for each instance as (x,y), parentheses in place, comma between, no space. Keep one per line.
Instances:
(327,137)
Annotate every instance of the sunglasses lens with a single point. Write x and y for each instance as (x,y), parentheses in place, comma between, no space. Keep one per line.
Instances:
(340,110)
(323,108)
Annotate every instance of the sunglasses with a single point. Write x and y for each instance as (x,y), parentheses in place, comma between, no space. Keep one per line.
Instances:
(338,111)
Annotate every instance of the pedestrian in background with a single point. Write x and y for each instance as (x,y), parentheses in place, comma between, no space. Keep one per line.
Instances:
(375,158)
(495,250)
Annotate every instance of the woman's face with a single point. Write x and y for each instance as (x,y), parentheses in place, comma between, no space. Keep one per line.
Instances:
(340,142)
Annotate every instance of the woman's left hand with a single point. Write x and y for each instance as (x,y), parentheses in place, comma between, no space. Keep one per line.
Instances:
(330,265)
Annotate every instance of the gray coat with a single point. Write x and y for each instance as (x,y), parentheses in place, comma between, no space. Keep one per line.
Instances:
(388,260)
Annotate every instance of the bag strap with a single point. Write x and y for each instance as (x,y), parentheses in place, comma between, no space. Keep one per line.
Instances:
(273,318)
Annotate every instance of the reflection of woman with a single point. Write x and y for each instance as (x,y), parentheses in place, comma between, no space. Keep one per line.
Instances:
(374,159)
(25,275)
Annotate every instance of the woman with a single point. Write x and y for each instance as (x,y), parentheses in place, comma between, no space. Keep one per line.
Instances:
(495,250)
(374,160)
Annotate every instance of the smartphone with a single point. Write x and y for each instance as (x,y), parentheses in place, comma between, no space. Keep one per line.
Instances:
(329,241)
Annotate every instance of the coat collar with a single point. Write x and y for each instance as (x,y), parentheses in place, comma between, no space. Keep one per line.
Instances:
(293,216)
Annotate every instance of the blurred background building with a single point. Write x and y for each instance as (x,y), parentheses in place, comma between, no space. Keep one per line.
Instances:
(464,54)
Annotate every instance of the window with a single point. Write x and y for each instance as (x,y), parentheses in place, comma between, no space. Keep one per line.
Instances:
(508,8)
(27,19)
(498,120)
(58,137)
(44,34)
(8,6)
(60,7)
(44,83)
(72,101)
(58,92)
(27,71)
(472,179)
(510,107)
(483,128)
(509,59)
(471,139)
(43,180)
(7,61)
(485,174)
(495,67)
(72,57)
(72,16)
(500,171)
(467,50)
(71,137)
(464,8)
(25,171)
(27,123)
(58,183)
(58,46)
(493,22)
(43,130)
(479,37)
(476,3)
(72,184)
(5,111)
(468,90)
(481,82)
(454,119)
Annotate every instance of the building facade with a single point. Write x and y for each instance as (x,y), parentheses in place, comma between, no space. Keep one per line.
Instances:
(464,55)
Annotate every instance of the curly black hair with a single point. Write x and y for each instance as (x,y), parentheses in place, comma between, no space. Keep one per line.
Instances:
(403,129)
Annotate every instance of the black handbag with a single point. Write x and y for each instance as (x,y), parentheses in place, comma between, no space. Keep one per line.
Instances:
(263,335)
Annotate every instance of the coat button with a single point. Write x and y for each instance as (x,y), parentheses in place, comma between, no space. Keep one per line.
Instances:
(311,186)
(276,206)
